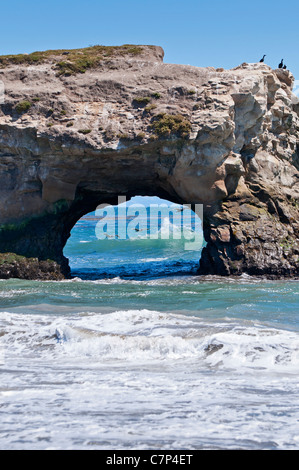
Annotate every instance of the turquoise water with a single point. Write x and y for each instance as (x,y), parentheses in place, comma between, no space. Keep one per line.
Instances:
(138,352)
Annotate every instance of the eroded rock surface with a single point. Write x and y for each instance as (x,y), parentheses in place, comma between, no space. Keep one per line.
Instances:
(132,125)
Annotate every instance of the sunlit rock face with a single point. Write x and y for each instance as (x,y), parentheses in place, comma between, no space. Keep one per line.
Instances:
(129,124)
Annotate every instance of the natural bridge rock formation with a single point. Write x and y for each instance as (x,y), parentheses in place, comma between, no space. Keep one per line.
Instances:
(77,131)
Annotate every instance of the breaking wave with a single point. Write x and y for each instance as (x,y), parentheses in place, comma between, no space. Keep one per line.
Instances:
(138,336)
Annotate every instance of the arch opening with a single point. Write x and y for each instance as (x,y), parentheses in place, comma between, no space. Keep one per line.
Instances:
(142,237)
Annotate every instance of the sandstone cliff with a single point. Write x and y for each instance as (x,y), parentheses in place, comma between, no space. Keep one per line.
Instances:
(79,128)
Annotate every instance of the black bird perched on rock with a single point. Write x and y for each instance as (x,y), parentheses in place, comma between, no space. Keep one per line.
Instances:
(281,64)
(284,67)
(262,60)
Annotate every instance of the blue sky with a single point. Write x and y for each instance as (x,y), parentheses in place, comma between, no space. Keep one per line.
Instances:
(196,32)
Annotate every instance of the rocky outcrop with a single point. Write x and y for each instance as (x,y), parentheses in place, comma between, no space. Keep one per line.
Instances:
(20,267)
(128,124)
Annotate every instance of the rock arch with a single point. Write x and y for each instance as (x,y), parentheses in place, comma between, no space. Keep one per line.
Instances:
(135,126)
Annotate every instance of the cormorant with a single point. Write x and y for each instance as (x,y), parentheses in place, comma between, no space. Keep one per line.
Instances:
(281,64)
(284,67)
(262,60)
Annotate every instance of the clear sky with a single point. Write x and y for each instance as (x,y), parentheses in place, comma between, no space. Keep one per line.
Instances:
(219,33)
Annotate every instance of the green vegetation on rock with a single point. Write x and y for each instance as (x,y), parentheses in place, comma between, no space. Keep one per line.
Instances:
(167,124)
(140,136)
(71,61)
(21,267)
(23,106)
(78,65)
(150,108)
(141,100)
(9,258)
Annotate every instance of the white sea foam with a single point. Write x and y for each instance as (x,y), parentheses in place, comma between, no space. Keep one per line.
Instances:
(144,335)
(150,260)
(153,378)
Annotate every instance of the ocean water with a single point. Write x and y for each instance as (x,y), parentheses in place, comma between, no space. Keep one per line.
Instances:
(138,352)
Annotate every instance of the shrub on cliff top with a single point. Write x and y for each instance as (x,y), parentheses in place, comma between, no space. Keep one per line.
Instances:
(71,61)
(166,124)
(150,108)
(141,100)
(80,60)
(78,65)
(23,106)
(30,59)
